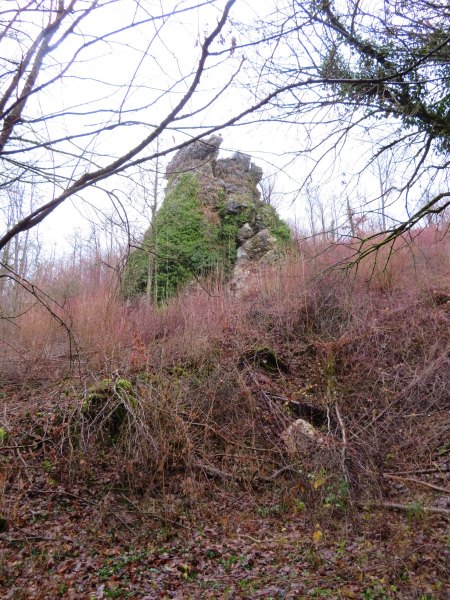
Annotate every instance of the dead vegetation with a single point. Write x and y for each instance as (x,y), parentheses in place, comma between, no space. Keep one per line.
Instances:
(161,411)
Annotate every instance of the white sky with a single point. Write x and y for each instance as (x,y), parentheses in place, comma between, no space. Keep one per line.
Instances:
(156,57)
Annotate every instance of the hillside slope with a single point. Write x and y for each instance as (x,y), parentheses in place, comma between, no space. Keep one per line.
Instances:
(154,463)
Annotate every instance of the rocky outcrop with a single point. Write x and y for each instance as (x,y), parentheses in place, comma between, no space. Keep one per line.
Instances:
(198,158)
(228,186)
(198,155)
(259,247)
(218,198)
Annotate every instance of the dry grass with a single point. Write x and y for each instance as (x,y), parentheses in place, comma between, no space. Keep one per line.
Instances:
(368,348)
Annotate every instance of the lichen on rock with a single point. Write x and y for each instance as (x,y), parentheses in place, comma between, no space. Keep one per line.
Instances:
(301,438)
(211,217)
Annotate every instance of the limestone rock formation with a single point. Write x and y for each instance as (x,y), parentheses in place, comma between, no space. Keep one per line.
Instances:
(301,438)
(199,154)
(198,158)
(212,215)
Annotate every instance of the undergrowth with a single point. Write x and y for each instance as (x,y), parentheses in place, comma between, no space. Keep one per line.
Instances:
(213,380)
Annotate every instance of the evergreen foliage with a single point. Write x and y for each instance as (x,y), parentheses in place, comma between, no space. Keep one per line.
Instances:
(179,246)
(268,215)
(182,244)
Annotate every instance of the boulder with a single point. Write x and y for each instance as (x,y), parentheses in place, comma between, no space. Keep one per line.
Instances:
(259,246)
(218,200)
(244,233)
(301,437)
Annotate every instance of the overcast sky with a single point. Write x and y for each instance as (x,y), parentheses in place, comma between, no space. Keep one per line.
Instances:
(143,71)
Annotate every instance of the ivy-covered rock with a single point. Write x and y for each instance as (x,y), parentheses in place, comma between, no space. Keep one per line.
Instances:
(181,244)
(184,243)
(211,218)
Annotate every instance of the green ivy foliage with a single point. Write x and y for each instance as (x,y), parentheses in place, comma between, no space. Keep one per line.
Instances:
(182,244)
(135,275)
(255,213)
(231,223)
(406,75)
(268,215)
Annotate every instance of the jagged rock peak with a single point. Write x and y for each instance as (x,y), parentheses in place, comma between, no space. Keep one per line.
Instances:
(212,217)
(195,155)
(239,163)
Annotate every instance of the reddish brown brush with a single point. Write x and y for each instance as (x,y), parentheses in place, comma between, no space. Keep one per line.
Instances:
(217,378)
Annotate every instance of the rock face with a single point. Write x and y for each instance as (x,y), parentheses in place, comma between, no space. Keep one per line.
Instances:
(198,158)
(229,185)
(242,231)
(301,438)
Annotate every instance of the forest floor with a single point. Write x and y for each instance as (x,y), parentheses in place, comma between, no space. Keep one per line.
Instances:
(92,540)
(153,453)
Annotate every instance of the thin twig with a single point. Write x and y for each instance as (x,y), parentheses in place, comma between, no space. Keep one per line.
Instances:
(24,445)
(214,472)
(407,507)
(249,537)
(37,538)
(441,361)
(344,433)
(154,515)
(62,493)
(278,473)
(217,473)
(420,471)
(418,481)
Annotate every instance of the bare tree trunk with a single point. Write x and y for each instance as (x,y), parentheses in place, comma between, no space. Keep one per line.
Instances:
(351,218)
(152,264)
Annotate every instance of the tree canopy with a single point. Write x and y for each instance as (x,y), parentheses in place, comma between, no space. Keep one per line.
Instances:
(334,69)
(376,70)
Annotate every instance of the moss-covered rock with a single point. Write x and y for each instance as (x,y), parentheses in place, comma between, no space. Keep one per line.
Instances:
(182,244)
(207,215)
(3,435)
(267,216)
(108,404)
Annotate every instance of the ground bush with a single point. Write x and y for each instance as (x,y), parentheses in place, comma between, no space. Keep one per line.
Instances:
(367,349)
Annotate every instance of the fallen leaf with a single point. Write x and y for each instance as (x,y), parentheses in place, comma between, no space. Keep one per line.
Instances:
(317,536)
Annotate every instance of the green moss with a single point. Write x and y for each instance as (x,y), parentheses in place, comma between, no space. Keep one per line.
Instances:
(117,393)
(124,384)
(230,223)
(182,244)
(268,215)
(136,272)
(282,232)
(259,214)
(3,435)
(267,359)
